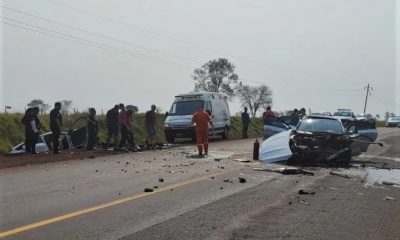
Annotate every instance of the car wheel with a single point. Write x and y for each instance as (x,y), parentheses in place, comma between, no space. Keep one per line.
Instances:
(170,139)
(225,133)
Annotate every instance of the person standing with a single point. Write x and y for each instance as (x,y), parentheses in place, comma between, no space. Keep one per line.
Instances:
(130,138)
(112,122)
(201,119)
(245,123)
(151,126)
(93,129)
(55,126)
(123,122)
(34,129)
(26,121)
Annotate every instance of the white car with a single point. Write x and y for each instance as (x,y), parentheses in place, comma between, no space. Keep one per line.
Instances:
(393,122)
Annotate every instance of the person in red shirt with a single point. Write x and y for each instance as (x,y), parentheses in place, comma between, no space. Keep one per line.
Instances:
(201,119)
(269,115)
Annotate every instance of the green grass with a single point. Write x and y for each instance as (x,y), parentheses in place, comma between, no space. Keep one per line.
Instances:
(12,130)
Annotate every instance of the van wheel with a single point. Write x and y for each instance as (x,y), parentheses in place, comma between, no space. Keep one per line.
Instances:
(170,139)
(225,133)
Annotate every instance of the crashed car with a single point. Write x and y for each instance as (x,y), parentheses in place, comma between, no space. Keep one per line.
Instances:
(319,138)
(75,138)
(279,124)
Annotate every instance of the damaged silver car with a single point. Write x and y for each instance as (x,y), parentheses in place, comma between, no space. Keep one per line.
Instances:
(319,138)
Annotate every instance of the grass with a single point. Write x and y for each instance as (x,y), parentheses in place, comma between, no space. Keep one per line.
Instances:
(12,130)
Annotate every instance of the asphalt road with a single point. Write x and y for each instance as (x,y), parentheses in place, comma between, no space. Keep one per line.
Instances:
(104,198)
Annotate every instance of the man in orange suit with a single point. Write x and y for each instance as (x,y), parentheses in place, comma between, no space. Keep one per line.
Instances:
(201,119)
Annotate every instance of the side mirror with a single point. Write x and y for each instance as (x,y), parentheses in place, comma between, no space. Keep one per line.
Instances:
(354,135)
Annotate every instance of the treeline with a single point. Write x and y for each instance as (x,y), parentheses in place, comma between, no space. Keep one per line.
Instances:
(12,130)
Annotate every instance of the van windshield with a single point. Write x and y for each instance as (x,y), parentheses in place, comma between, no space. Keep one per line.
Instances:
(185,107)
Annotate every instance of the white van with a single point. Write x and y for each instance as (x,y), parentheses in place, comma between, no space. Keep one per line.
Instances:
(178,123)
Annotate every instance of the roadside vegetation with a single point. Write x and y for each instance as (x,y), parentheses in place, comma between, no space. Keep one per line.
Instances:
(12,130)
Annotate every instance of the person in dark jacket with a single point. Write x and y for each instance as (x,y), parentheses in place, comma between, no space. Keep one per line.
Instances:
(93,129)
(34,129)
(26,121)
(112,122)
(245,123)
(55,126)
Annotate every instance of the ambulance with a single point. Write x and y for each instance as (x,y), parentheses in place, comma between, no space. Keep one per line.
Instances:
(178,123)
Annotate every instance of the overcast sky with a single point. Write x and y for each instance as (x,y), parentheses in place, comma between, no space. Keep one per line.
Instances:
(316,54)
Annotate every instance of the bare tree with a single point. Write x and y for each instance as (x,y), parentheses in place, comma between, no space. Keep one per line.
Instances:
(255,98)
(217,75)
(66,106)
(43,107)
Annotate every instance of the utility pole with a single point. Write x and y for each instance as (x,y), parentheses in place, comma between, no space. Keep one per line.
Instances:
(368,88)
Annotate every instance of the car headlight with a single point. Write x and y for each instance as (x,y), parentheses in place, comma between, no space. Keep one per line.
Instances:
(167,125)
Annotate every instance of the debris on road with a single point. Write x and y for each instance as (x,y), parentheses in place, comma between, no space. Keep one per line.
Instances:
(301,191)
(161,179)
(155,187)
(92,157)
(303,202)
(339,174)
(389,183)
(242,180)
(221,188)
(148,190)
(390,198)
(226,180)
(286,171)
(242,160)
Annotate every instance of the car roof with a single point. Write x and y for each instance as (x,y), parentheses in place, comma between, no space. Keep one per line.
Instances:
(320,117)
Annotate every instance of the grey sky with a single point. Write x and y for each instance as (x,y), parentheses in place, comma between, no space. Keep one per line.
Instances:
(317,54)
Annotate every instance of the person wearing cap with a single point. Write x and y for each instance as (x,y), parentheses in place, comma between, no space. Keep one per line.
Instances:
(201,119)
(151,126)
(92,128)
(55,126)
(112,122)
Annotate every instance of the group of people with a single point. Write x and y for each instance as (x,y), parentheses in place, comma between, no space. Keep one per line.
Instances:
(119,123)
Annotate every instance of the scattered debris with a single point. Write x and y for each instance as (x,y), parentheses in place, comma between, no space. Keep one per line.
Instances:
(221,188)
(301,191)
(148,190)
(389,183)
(242,180)
(242,160)
(212,177)
(290,203)
(126,162)
(161,179)
(303,202)
(97,170)
(339,174)
(390,198)
(92,157)
(119,194)
(227,180)
(172,189)
(217,159)
(155,187)
(286,171)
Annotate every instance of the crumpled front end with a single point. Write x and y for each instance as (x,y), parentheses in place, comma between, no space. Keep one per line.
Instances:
(317,147)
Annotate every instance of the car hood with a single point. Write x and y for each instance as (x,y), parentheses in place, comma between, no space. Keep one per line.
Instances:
(276,148)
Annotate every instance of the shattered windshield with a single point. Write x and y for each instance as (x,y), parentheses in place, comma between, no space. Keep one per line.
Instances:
(185,107)
(320,125)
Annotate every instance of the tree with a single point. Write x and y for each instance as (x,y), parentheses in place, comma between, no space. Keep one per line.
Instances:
(66,106)
(216,75)
(43,107)
(387,115)
(255,98)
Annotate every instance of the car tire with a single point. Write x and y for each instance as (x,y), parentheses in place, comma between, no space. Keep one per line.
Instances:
(170,139)
(225,133)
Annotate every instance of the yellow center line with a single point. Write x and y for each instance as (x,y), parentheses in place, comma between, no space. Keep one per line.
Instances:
(101,206)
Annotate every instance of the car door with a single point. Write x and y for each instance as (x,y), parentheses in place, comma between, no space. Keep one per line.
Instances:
(367,134)
(274,126)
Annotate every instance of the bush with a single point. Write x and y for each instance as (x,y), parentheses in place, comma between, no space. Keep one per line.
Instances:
(12,130)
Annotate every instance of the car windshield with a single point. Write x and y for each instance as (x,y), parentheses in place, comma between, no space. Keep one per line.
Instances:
(185,107)
(394,119)
(320,125)
(342,114)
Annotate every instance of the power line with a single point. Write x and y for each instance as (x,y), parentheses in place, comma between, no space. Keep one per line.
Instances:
(97,34)
(280,68)
(90,43)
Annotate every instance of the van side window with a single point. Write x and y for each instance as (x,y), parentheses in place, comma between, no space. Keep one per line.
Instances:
(208,106)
